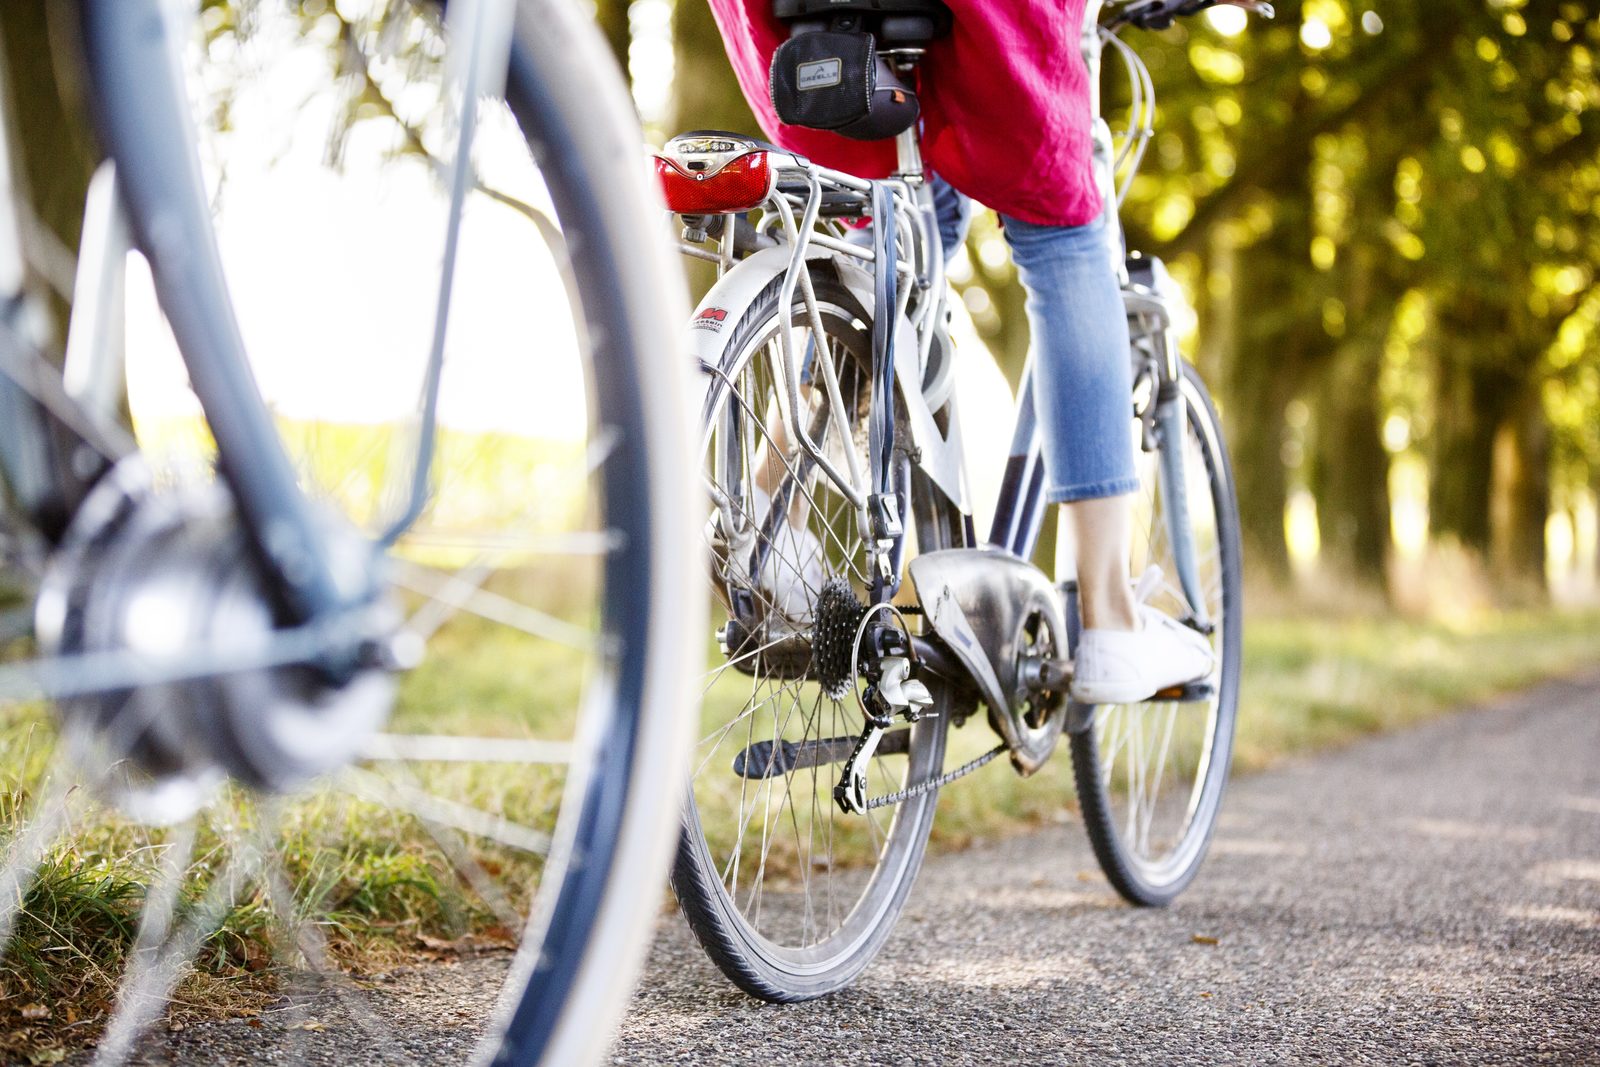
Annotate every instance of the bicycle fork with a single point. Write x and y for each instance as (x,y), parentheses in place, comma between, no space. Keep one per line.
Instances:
(1171,426)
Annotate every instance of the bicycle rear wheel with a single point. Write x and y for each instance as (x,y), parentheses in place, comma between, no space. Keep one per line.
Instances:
(1150,777)
(789,896)
(505,832)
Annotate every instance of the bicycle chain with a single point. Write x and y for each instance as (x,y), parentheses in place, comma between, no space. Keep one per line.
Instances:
(935,783)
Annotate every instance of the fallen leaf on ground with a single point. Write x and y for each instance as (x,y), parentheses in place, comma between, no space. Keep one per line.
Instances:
(1202,939)
(34,1011)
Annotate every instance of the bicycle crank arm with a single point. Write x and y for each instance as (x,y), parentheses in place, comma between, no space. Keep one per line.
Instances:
(768,759)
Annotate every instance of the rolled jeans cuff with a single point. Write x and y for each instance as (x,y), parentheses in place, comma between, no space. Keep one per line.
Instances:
(1092,491)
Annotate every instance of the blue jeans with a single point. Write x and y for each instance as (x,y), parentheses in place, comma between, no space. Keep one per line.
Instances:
(1082,369)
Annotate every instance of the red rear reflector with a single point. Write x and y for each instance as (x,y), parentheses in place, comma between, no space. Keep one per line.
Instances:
(741,184)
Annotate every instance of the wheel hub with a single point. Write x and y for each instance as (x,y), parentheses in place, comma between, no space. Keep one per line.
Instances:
(170,575)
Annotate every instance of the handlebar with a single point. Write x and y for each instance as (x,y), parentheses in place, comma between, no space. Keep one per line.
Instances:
(1159,14)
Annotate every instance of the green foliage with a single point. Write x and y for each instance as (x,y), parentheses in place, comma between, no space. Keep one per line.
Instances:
(1442,151)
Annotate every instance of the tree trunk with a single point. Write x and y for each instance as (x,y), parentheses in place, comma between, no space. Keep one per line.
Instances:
(1258,394)
(1520,501)
(1349,465)
(55,145)
(707,94)
(1350,472)
(612,18)
(1469,405)
(1267,370)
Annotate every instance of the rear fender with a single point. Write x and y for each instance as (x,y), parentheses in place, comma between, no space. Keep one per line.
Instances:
(937,453)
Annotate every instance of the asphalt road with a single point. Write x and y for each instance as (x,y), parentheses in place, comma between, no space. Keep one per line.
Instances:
(1428,897)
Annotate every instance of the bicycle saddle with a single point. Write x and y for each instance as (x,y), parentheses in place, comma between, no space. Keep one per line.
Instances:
(895,23)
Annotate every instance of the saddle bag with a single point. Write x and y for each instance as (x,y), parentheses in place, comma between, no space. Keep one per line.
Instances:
(827,80)
(830,76)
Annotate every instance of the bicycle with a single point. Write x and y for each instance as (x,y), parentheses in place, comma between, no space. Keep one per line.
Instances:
(220,694)
(828,711)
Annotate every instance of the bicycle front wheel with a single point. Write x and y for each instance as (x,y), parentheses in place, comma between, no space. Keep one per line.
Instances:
(1150,776)
(789,895)
(487,834)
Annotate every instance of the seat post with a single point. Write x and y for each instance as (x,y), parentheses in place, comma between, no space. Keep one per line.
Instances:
(908,149)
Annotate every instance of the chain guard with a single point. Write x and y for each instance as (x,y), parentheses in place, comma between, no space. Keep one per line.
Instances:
(989,607)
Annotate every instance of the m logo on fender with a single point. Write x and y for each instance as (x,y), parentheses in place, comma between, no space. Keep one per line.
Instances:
(710,319)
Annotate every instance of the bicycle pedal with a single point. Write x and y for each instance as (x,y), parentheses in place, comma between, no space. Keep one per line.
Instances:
(769,759)
(1192,693)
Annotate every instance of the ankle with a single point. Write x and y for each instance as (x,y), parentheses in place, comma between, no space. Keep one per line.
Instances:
(1116,611)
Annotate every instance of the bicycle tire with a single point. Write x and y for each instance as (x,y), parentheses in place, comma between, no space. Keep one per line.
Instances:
(599,926)
(1142,875)
(607,849)
(760,951)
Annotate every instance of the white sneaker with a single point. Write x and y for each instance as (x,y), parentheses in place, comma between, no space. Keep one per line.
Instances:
(1127,667)
(792,572)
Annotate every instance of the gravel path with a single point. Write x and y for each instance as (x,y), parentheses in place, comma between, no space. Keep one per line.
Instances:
(1428,897)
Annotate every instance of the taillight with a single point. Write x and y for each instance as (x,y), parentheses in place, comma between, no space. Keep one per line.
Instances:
(740,184)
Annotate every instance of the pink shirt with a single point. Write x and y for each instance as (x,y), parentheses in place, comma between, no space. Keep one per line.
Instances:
(1005,105)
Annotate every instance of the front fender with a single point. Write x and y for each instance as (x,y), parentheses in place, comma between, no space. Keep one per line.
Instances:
(936,453)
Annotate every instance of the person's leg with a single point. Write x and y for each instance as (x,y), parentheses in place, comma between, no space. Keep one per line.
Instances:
(953,211)
(1101,535)
(1082,388)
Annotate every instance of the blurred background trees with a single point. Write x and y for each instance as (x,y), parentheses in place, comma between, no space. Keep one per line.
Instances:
(1387,216)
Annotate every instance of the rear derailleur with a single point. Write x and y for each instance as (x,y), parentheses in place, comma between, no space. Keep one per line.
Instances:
(891,693)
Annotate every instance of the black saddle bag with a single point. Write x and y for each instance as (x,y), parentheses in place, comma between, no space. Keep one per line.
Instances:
(835,80)
(829,75)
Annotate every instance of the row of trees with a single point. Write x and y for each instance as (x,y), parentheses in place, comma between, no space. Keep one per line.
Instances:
(1387,216)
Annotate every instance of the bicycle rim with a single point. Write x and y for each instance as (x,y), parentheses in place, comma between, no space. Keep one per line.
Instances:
(1150,777)
(788,894)
(500,839)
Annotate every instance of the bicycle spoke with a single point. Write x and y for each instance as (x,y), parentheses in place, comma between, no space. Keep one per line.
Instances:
(152,977)
(471,871)
(499,609)
(744,716)
(437,748)
(485,28)
(46,821)
(382,790)
(87,673)
(499,546)
(767,815)
(309,941)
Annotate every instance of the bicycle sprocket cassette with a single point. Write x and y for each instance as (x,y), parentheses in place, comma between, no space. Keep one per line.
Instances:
(838,614)
(167,579)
